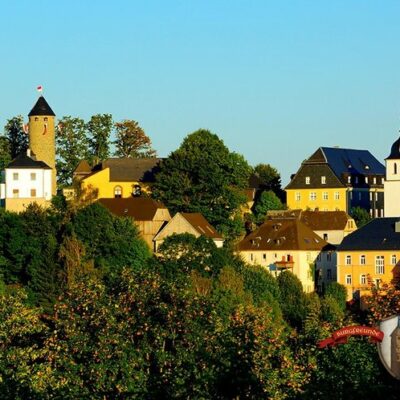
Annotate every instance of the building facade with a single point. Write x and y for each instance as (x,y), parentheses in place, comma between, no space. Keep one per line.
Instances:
(370,255)
(335,179)
(392,181)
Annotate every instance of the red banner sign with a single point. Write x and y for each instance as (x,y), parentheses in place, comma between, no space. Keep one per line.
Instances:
(340,336)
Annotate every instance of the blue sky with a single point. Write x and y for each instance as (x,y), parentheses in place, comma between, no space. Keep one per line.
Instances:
(274,79)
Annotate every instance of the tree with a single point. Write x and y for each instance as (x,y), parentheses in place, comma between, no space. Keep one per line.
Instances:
(270,178)
(111,242)
(132,141)
(266,202)
(360,215)
(99,128)
(204,176)
(293,300)
(5,153)
(338,292)
(72,146)
(17,138)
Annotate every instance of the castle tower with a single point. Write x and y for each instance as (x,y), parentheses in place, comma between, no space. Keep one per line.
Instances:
(392,182)
(42,136)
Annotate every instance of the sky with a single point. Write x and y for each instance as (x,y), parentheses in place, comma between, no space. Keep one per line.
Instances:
(274,80)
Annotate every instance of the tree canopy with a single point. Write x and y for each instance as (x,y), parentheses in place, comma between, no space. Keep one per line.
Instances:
(202,175)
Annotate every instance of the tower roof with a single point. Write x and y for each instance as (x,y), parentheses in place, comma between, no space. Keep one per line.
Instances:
(41,108)
(395,151)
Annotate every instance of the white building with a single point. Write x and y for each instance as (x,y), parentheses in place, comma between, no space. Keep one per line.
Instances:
(392,182)
(26,180)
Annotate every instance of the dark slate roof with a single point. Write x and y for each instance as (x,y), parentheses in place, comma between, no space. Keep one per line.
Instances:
(352,161)
(336,165)
(41,108)
(24,161)
(378,234)
(130,169)
(201,225)
(282,234)
(395,151)
(138,208)
(314,171)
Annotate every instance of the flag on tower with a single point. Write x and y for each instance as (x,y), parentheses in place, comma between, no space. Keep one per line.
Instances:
(40,88)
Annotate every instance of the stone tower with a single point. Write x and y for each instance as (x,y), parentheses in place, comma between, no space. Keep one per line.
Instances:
(42,136)
(392,181)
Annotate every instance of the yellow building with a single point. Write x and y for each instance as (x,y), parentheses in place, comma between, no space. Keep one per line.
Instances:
(335,179)
(286,244)
(118,177)
(370,255)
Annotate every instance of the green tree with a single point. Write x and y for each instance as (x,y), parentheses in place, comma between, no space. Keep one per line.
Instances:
(99,128)
(360,215)
(111,242)
(22,335)
(266,202)
(131,140)
(71,147)
(292,299)
(204,176)
(270,178)
(5,152)
(338,292)
(17,138)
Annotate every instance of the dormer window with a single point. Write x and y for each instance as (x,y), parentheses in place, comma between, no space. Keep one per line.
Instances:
(323,180)
(307,180)
(366,166)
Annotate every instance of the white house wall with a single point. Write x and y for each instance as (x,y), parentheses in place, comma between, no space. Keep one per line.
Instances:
(24,184)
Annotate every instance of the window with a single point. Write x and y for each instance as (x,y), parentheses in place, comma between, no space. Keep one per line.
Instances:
(379,264)
(348,260)
(329,257)
(45,119)
(356,180)
(323,180)
(264,257)
(363,279)
(118,192)
(15,176)
(36,118)
(366,179)
(33,176)
(15,193)
(136,190)
(376,196)
(351,195)
(33,192)
(325,237)
(337,196)
(313,196)
(325,195)
(251,256)
(329,274)
(394,259)
(374,180)
(382,180)
(359,196)
(370,196)
(362,259)
(348,279)
(395,168)
(377,282)
(307,180)
(298,196)
(349,179)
